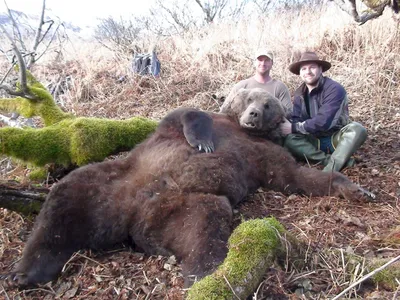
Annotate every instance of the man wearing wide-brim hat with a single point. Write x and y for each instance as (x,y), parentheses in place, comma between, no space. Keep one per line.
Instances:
(320,129)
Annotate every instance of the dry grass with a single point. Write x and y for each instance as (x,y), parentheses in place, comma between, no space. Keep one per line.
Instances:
(199,68)
(198,65)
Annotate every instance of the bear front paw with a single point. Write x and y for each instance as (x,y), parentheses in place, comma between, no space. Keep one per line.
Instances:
(14,279)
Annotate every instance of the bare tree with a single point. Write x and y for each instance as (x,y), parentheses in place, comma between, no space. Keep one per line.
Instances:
(212,9)
(44,35)
(44,38)
(176,16)
(180,16)
(120,35)
(23,87)
(263,5)
(375,8)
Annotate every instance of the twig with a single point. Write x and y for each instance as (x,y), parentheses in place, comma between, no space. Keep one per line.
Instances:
(308,163)
(22,71)
(38,35)
(81,255)
(231,287)
(258,289)
(8,72)
(49,43)
(387,249)
(15,26)
(48,29)
(367,276)
(5,292)
(397,290)
(38,289)
(300,276)
(145,277)
(343,264)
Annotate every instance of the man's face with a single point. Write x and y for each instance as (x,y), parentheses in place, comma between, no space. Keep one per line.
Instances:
(263,64)
(310,73)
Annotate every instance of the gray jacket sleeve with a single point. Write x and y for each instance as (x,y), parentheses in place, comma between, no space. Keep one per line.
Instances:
(284,97)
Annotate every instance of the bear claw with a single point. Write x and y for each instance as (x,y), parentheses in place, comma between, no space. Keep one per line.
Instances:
(369,195)
(14,279)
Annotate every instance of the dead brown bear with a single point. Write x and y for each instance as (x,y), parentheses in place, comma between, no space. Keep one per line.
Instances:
(168,196)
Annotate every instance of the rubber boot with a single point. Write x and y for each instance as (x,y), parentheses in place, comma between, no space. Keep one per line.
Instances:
(305,147)
(346,141)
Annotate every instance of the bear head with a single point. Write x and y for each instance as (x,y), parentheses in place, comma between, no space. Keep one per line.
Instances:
(257,111)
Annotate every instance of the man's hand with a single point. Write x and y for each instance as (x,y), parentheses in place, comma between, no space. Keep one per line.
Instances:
(286,127)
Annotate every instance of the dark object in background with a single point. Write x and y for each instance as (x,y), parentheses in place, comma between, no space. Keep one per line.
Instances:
(146,64)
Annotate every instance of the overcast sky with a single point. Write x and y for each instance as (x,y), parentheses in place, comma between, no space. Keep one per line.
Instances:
(80,12)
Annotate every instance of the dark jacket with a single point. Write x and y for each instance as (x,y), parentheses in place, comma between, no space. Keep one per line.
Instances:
(328,106)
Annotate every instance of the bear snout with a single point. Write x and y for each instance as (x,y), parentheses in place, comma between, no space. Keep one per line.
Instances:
(251,118)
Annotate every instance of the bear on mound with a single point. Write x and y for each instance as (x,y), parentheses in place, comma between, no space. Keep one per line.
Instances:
(174,193)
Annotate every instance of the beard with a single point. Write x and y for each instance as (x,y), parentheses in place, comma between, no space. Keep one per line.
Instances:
(311,80)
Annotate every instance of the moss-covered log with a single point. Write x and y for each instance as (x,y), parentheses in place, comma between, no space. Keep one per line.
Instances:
(66,139)
(24,201)
(253,247)
(74,141)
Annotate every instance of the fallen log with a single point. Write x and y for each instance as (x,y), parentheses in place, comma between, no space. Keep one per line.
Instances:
(24,200)
(254,246)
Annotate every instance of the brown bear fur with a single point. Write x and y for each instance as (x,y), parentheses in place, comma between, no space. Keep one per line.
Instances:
(167,196)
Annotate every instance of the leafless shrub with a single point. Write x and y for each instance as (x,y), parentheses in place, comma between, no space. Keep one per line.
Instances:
(120,35)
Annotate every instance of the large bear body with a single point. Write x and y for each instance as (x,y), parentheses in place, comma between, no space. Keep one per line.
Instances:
(174,193)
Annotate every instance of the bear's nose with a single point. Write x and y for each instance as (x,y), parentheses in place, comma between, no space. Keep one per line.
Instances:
(254,114)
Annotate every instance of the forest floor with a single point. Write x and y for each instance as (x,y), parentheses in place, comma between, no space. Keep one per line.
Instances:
(330,226)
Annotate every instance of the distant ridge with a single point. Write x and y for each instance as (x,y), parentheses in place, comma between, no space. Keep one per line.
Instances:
(30,22)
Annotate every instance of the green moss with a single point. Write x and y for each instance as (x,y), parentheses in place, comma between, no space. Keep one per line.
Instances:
(252,240)
(253,247)
(31,209)
(43,105)
(74,141)
(94,139)
(375,4)
(32,82)
(38,173)
(387,277)
(37,146)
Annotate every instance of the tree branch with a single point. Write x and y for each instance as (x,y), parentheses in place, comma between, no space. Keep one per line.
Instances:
(8,72)
(51,40)
(22,71)
(38,35)
(15,26)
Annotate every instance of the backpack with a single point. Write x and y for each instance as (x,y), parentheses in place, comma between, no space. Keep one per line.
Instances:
(146,64)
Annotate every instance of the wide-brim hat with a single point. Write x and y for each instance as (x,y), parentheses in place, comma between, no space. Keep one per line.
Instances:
(309,57)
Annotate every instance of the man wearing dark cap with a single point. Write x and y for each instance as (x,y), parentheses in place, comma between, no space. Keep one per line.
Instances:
(263,61)
(320,130)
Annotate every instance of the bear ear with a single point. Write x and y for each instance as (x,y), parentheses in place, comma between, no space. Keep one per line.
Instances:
(238,102)
(243,93)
